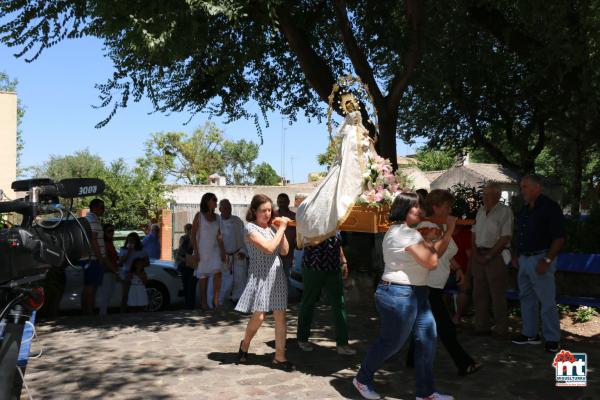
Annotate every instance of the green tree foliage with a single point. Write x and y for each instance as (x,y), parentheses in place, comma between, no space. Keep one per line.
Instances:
(582,236)
(191,159)
(133,196)
(468,200)
(10,85)
(239,161)
(435,160)
(327,158)
(264,174)
(81,164)
(556,161)
(217,55)
(510,78)
(472,90)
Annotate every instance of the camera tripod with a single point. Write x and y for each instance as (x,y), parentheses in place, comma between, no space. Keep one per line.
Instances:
(18,298)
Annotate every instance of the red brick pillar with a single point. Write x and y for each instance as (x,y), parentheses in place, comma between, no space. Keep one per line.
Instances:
(166,235)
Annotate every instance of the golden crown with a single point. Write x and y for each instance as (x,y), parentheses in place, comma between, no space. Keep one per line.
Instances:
(347,101)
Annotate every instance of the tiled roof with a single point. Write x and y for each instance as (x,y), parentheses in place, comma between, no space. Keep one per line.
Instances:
(493,172)
(433,175)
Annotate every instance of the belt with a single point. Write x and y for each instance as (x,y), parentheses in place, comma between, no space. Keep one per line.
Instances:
(382,282)
(533,253)
(484,248)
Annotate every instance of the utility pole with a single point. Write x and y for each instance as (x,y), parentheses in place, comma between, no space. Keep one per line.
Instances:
(283,129)
(292,162)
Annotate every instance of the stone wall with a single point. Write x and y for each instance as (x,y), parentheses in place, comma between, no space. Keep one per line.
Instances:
(237,195)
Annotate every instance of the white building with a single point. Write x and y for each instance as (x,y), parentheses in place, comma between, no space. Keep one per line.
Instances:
(8,141)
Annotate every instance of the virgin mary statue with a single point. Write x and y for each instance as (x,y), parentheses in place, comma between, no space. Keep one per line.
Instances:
(326,208)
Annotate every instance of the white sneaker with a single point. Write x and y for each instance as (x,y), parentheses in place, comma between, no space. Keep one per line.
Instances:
(436,396)
(366,391)
(305,346)
(346,350)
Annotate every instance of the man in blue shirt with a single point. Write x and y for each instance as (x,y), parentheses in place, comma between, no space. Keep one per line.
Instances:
(540,234)
(151,242)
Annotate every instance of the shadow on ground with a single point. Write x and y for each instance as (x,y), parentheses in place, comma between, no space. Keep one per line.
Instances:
(185,354)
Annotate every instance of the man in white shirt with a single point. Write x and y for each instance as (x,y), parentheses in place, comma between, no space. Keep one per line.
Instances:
(492,233)
(232,229)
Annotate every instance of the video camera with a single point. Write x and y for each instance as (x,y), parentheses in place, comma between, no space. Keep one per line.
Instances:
(35,245)
(27,251)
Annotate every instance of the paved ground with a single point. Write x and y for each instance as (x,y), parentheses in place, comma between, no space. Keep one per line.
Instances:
(187,355)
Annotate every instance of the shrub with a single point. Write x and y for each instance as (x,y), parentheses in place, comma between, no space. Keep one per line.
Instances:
(468,201)
(584,314)
(563,308)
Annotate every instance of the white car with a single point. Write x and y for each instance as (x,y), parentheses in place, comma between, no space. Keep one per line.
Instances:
(164,287)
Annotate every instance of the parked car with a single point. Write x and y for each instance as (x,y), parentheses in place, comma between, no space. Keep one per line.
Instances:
(164,287)
(296,272)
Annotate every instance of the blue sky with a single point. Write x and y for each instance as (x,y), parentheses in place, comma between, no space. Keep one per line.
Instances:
(58,92)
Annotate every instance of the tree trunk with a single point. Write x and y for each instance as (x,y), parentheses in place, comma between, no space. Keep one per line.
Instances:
(386,145)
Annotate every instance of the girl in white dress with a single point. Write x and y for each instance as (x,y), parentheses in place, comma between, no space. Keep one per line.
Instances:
(209,252)
(137,299)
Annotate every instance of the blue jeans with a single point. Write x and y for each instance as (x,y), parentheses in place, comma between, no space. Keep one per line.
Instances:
(534,290)
(403,309)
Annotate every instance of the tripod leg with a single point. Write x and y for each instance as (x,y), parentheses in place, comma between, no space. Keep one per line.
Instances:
(9,352)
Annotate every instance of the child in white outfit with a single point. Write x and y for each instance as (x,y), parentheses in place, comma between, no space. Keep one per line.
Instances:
(137,299)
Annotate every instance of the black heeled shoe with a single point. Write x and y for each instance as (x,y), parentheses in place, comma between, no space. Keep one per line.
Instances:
(242,355)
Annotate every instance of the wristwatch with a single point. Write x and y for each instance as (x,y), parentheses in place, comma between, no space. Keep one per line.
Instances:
(547,260)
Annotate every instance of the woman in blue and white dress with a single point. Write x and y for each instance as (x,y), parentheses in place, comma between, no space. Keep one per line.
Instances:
(266,289)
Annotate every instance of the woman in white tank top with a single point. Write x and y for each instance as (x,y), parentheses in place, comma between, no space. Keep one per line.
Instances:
(208,248)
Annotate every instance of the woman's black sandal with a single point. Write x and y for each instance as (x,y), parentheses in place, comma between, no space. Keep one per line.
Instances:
(242,355)
(284,365)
